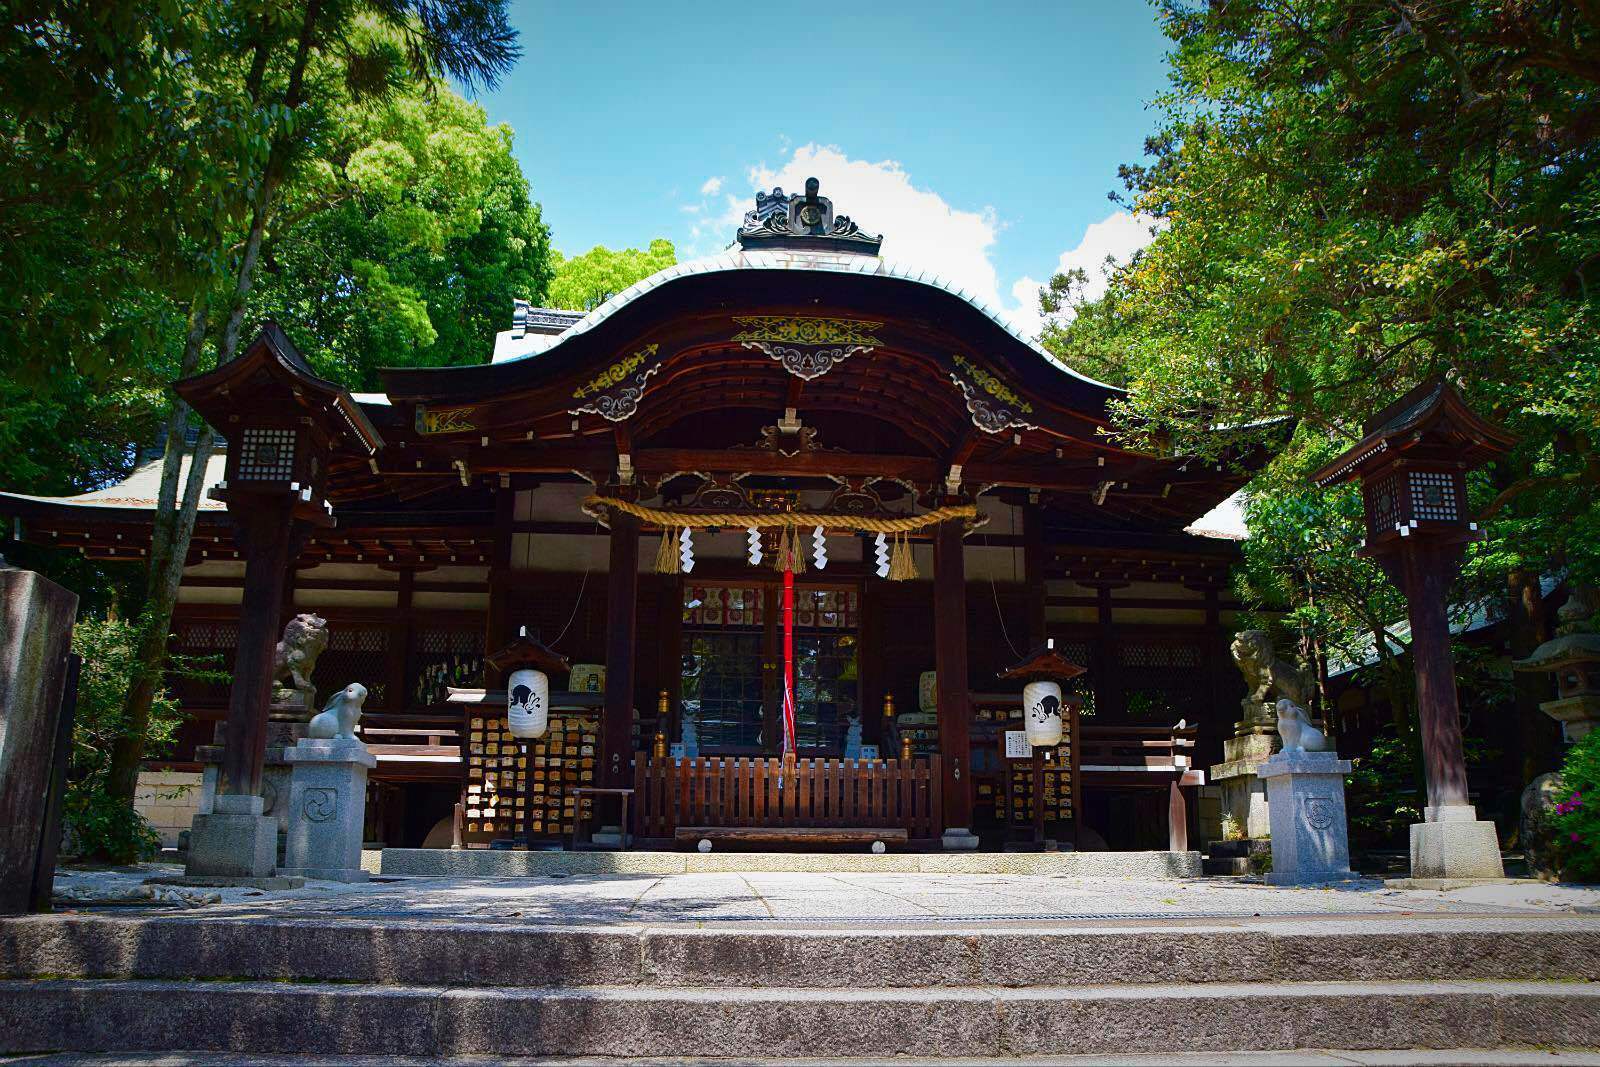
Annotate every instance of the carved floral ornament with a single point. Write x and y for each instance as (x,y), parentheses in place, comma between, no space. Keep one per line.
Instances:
(994,406)
(615,392)
(807,347)
(444,420)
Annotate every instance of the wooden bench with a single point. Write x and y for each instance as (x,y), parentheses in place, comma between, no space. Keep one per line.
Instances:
(808,835)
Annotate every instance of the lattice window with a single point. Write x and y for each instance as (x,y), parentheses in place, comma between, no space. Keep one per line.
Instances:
(1384,504)
(216,642)
(1163,656)
(266,455)
(722,688)
(1163,682)
(1433,496)
(441,658)
(355,654)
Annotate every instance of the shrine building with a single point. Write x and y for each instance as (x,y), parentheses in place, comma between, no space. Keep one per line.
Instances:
(639,490)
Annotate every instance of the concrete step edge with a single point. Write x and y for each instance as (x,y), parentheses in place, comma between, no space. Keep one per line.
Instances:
(487,954)
(325,1019)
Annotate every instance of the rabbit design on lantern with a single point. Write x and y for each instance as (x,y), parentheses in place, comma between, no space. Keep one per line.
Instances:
(1042,701)
(528,704)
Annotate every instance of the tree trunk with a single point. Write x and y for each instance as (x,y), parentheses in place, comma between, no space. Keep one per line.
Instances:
(173,527)
(1529,626)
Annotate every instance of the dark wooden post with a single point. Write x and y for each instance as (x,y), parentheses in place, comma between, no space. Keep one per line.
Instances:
(950,661)
(1033,572)
(622,608)
(1424,575)
(265,530)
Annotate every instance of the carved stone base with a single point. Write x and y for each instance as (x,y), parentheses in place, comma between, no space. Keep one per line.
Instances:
(1310,834)
(233,840)
(1454,843)
(327,808)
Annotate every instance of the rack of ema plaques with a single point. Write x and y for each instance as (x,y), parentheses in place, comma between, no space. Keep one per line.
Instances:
(1002,773)
(514,790)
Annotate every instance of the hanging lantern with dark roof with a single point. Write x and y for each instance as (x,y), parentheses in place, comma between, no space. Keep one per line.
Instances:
(1043,706)
(528,664)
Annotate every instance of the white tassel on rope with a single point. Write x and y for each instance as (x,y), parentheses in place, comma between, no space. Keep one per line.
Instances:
(880,546)
(686,550)
(753,536)
(819,548)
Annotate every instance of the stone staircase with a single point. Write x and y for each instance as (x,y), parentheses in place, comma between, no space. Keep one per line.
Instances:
(330,986)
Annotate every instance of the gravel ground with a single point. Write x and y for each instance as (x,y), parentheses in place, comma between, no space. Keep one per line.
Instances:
(812,898)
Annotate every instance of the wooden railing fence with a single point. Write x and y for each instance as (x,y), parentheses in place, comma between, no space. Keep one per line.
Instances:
(747,791)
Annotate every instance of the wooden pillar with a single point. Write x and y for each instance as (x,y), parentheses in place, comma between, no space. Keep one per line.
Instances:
(950,661)
(266,534)
(496,624)
(622,609)
(1424,574)
(1033,556)
(1107,680)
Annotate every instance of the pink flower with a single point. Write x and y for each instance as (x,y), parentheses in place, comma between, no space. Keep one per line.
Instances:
(1574,835)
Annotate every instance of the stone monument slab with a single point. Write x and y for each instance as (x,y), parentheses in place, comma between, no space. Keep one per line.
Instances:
(35,636)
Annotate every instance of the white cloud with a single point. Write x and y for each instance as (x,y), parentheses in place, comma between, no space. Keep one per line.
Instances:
(1117,236)
(921,229)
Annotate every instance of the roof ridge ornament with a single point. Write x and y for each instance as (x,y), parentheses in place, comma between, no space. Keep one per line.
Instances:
(803,220)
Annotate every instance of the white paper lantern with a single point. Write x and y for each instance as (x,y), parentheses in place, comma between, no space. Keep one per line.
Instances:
(528,703)
(1041,707)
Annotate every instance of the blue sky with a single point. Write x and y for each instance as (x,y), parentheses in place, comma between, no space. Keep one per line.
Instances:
(981,139)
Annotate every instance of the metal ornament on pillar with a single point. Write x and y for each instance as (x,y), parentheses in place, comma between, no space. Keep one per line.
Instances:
(528,703)
(1041,706)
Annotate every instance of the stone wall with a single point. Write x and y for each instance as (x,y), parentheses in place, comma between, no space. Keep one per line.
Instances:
(169,799)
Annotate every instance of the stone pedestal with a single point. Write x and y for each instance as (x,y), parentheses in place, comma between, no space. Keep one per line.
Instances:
(1244,795)
(1310,834)
(1453,843)
(233,840)
(959,839)
(326,809)
(286,725)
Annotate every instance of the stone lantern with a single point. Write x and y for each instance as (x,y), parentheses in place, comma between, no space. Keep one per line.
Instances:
(1573,656)
(1412,463)
(280,445)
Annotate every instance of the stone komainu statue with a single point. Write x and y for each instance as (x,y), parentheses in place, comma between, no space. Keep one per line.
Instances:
(296,657)
(1265,673)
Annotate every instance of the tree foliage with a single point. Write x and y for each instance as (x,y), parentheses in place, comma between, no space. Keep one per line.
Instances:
(1353,195)
(171,166)
(1349,196)
(587,281)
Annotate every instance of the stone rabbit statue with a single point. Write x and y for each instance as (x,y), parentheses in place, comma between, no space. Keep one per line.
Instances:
(339,718)
(1294,726)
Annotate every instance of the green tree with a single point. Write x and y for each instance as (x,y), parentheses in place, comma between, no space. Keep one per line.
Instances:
(411,243)
(1351,196)
(587,281)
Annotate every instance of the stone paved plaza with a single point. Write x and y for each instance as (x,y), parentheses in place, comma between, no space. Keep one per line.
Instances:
(829,898)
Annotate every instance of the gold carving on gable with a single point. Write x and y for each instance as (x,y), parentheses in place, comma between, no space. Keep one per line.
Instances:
(806,330)
(444,420)
(614,394)
(992,385)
